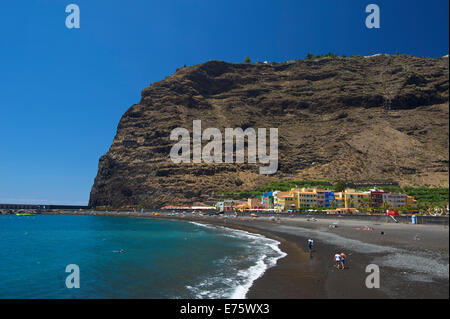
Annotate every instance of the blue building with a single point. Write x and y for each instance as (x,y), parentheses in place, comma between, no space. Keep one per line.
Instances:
(329,198)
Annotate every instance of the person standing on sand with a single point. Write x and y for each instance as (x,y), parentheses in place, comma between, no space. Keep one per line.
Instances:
(343,260)
(310,244)
(337,259)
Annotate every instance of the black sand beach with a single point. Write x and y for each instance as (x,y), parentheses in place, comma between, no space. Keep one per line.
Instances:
(413,259)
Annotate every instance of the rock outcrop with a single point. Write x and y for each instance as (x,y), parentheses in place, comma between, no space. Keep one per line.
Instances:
(352,119)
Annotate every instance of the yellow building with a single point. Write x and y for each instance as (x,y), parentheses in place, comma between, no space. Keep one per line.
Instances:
(353,199)
(286,201)
(306,197)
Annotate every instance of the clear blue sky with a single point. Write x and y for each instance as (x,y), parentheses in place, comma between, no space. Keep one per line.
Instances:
(62,92)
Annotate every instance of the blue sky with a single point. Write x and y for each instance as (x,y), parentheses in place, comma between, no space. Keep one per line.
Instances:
(63,91)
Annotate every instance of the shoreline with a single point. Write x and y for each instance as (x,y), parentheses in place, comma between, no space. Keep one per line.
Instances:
(295,284)
(242,290)
(298,275)
(413,259)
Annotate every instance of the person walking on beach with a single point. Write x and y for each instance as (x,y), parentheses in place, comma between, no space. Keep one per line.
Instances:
(343,260)
(337,259)
(310,244)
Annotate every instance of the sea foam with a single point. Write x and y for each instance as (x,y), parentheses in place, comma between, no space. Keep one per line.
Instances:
(265,254)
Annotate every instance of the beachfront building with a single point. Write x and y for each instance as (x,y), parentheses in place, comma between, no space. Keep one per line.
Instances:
(320,198)
(328,197)
(227,205)
(254,203)
(277,203)
(338,201)
(352,199)
(275,198)
(286,201)
(395,200)
(376,198)
(298,198)
(305,197)
(267,200)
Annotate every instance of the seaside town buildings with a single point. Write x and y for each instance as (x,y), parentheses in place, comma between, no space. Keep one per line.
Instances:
(310,198)
(347,201)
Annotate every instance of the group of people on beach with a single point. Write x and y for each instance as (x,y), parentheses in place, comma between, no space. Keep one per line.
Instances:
(339,258)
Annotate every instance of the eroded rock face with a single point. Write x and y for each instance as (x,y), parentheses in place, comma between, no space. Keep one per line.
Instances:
(353,119)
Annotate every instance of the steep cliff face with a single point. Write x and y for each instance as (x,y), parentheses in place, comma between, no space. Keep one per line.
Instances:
(353,119)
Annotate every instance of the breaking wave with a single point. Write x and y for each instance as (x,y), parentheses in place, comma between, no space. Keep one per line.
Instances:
(234,276)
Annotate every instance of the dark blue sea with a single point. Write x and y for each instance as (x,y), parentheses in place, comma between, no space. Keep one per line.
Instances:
(159,258)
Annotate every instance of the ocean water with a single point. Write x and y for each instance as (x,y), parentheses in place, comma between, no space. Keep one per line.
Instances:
(161,258)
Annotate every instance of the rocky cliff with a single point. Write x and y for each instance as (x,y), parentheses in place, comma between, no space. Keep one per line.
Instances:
(352,119)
